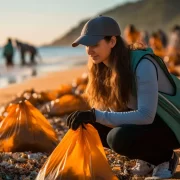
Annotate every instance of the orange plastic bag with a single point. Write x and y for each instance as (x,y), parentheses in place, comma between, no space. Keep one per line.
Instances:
(65,105)
(26,129)
(64,89)
(79,156)
(1,118)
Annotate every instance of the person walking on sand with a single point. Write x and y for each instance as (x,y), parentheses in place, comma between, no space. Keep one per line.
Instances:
(8,53)
(124,89)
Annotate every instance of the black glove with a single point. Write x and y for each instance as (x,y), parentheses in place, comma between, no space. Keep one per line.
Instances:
(77,118)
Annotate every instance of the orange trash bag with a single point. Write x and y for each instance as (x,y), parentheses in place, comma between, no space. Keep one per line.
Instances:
(26,129)
(1,118)
(79,156)
(65,105)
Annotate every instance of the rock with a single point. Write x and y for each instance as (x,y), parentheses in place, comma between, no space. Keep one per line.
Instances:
(21,159)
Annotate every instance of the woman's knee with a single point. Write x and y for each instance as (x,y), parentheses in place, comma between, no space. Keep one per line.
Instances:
(118,139)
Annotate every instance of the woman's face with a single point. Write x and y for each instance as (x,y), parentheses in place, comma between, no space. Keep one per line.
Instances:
(101,51)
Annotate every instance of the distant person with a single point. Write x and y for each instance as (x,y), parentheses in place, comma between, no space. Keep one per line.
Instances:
(173,50)
(8,53)
(163,37)
(33,52)
(27,48)
(144,38)
(131,34)
(22,50)
(156,44)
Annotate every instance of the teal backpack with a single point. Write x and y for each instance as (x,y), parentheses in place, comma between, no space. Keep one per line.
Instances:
(168,105)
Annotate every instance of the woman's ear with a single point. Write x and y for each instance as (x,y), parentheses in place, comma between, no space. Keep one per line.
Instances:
(113,41)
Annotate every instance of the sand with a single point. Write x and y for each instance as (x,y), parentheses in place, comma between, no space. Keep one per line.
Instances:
(47,82)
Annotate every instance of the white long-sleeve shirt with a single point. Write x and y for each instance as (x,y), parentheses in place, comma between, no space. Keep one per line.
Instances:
(150,80)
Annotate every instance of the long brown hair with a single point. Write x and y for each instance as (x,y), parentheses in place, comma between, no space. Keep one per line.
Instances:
(110,87)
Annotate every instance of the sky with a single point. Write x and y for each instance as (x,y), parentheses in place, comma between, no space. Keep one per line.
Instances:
(42,21)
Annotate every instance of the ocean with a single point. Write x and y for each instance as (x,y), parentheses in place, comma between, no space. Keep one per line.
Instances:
(53,59)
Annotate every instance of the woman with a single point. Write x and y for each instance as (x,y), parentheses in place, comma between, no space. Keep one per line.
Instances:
(126,123)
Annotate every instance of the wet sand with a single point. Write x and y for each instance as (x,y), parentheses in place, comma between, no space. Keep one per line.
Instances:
(47,82)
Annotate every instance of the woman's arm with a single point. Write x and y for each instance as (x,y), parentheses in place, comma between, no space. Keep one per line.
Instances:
(147,99)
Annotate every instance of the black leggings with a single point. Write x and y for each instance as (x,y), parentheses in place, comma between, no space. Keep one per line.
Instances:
(152,143)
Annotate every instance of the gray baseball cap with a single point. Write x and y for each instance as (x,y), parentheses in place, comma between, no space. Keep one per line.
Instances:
(96,29)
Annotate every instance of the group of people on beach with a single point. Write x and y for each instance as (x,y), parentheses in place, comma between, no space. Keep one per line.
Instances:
(23,48)
(168,48)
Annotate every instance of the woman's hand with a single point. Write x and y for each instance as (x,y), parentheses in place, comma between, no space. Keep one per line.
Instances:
(77,118)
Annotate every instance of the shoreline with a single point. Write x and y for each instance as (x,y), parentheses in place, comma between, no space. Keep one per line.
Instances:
(18,74)
(49,81)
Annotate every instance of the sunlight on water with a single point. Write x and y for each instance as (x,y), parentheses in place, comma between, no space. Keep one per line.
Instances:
(53,59)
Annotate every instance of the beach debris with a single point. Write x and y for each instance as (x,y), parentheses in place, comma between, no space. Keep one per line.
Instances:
(65,89)
(27,94)
(11,166)
(46,96)
(59,125)
(35,98)
(26,129)
(120,165)
(19,166)
(83,79)
(80,89)
(65,105)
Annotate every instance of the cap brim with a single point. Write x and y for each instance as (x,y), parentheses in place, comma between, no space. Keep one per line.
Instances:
(87,40)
